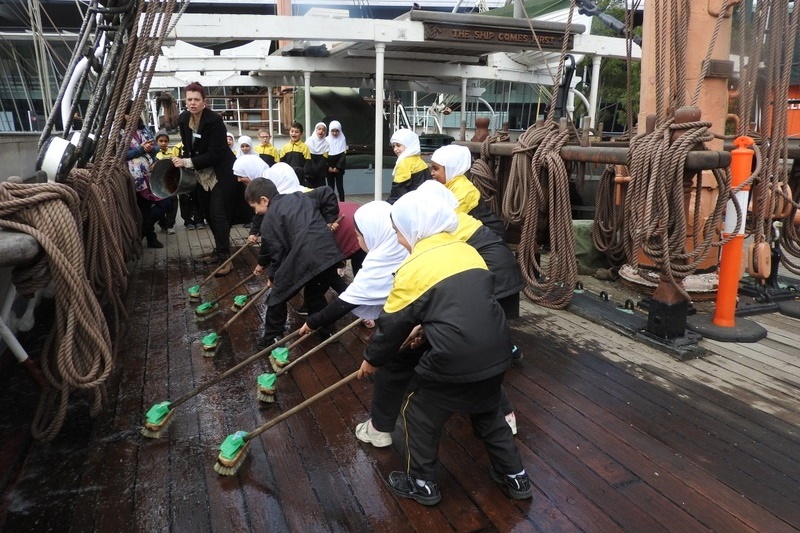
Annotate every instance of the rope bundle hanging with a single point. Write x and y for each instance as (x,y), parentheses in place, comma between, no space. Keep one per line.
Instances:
(609,220)
(77,352)
(534,168)
(89,226)
(655,215)
(485,171)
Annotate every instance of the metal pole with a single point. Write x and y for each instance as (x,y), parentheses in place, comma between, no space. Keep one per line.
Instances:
(307,83)
(380,48)
(593,89)
(463,131)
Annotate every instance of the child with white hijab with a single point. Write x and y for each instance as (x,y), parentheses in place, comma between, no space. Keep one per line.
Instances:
(337,148)
(365,296)
(317,167)
(245,146)
(409,170)
(449,166)
(445,287)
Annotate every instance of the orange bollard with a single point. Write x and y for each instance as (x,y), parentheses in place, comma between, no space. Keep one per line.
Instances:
(731,258)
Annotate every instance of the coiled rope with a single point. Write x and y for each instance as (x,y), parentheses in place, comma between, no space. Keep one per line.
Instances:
(77,351)
(655,216)
(89,229)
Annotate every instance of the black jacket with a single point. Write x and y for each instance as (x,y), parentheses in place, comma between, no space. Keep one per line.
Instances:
(209,148)
(444,286)
(296,244)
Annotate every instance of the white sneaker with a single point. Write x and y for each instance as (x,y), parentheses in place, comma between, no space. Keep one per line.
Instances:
(511,420)
(366,433)
(170,231)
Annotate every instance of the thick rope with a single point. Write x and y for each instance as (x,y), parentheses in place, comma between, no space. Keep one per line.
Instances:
(485,171)
(608,235)
(655,217)
(77,352)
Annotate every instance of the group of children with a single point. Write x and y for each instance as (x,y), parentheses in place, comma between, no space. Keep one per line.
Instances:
(439,282)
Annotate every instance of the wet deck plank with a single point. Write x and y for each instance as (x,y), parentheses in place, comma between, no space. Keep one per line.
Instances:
(617,436)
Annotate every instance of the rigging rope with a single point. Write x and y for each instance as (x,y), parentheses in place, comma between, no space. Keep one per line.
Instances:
(89,226)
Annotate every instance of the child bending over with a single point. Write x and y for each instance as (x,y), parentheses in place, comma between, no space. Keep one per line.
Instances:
(297,249)
(445,287)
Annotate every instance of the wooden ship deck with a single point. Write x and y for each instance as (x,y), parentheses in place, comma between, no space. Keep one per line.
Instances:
(616,435)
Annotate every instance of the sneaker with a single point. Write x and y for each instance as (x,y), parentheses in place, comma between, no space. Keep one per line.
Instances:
(263,341)
(199,225)
(170,231)
(302,310)
(189,226)
(211,258)
(365,432)
(516,487)
(153,242)
(511,420)
(225,269)
(516,353)
(406,486)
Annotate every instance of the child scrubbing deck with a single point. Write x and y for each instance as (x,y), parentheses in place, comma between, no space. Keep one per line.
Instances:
(445,287)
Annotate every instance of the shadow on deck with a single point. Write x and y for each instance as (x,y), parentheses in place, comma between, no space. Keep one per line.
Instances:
(615,435)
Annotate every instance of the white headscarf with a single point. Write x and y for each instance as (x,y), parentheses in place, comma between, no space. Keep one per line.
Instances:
(338,144)
(455,159)
(410,140)
(284,177)
(373,282)
(249,166)
(316,145)
(418,216)
(230,136)
(244,139)
(434,189)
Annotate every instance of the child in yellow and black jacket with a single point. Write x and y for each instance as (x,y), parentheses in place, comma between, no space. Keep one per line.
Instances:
(295,153)
(449,165)
(409,170)
(444,288)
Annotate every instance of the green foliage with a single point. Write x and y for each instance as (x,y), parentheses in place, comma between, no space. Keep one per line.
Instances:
(613,89)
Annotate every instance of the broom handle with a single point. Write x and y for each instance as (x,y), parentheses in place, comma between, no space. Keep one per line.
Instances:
(319,346)
(234,369)
(299,407)
(250,301)
(228,260)
(224,294)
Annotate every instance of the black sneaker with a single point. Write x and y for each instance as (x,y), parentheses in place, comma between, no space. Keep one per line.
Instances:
(302,310)
(517,487)
(516,353)
(263,341)
(406,486)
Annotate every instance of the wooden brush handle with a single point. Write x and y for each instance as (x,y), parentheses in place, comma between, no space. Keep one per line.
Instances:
(319,346)
(299,407)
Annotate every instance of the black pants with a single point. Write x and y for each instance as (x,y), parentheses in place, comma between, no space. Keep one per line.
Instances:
(214,209)
(336,182)
(391,383)
(424,418)
(314,294)
(152,212)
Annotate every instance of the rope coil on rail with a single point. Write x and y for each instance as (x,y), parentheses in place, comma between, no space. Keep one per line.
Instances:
(525,198)
(655,216)
(77,352)
(485,171)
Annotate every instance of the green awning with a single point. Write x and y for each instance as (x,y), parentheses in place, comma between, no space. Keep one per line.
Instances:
(533,8)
